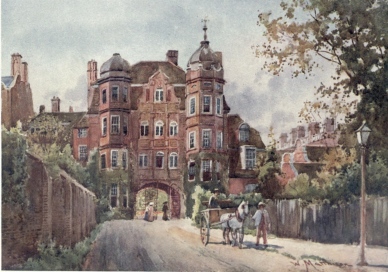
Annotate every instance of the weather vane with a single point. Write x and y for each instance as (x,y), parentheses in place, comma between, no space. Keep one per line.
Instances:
(205,20)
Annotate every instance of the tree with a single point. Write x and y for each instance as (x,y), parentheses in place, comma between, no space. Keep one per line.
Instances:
(353,36)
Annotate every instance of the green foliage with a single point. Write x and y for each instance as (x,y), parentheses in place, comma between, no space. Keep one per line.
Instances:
(14,169)
(304,188)
(51,257)
(349,34)
(269,185)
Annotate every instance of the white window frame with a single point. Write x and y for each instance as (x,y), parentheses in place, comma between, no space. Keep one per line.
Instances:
(83,156)
(219,105)
(144,129)
(243,132)
(209,104)
(159,128)
(143,160)
(206,138)
(248,163)
(117,125)
(101,156)
(173,160)
(104,127)
(219,140)
(191,169)
(191,140)
(114,158)
(191,107)
(206,165)
(82,132)
(159,154)
(125,94)
(173,128)
(159,95)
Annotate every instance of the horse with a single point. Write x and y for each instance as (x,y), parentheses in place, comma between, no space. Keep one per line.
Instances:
(234,222)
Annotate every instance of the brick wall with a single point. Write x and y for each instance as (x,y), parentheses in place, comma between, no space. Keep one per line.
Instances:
(59,209)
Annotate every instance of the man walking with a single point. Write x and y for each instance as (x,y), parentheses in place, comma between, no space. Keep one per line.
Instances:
(262,223)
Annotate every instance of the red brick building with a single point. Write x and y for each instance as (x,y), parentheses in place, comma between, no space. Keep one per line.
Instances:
(164,127)
(16,95)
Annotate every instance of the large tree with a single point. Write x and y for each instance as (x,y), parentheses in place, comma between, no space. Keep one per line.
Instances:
(352,35)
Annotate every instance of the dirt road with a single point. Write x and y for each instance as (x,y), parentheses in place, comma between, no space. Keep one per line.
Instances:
(138,245)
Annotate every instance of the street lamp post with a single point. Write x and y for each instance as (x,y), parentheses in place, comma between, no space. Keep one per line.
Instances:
(362,137)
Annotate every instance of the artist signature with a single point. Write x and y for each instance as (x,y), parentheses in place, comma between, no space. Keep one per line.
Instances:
(314,264)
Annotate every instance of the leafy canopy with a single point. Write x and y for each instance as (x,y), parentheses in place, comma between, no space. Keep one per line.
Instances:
(350,34)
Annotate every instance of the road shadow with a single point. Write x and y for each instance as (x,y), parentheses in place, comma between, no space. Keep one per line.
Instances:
(261,246)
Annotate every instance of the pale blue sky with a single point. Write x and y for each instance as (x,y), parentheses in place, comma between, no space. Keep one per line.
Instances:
(58,38)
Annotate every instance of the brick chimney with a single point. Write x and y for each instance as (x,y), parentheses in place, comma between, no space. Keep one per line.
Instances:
(55,104)
(92,72)
(42,109)
(71,109)
(172,56)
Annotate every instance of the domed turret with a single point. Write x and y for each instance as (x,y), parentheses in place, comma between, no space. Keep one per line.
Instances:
(204,56)
(115,64)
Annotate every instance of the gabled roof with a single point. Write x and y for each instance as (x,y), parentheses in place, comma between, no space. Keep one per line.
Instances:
(7,80)
(142,71)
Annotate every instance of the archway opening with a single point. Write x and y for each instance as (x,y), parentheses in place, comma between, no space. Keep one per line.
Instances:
(147,195)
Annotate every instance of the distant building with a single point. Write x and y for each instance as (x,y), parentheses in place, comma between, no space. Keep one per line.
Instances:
(302,153)
(165,127)
(16,95)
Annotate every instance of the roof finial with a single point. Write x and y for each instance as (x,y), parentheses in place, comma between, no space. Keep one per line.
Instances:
(205,20)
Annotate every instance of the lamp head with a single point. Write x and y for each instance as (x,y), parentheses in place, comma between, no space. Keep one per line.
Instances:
(363,134)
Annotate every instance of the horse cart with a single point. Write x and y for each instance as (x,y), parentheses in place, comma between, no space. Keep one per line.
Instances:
(212,217)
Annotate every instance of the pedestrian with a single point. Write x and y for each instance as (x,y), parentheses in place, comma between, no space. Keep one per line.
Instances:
(165,209)
(213,200)
(146,212)
(151,212)
(262,224)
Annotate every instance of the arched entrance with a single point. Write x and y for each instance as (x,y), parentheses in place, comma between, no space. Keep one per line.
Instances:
(158,192)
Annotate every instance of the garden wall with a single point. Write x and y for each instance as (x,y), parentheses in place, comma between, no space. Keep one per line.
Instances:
(61,210)
(330,224)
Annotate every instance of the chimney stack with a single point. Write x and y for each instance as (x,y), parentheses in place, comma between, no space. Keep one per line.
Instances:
(92,72)
(55,104)
(71,109)
(172,56)
(42,109)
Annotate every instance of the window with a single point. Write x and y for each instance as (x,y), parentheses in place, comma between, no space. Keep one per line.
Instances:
(143,160)
(103,161)
(159,128)
(125,126)
(192,105)
(104,96)
(192,139)
(219,140)
(191,170)
(144,128)
(173,128)
(125,94)
(159,159)
(250,158)
(206,138)
(244,132)
(115,93)
(159,95)
(113,195)
(206,170)
(218,106)
(104,125)
(173,160)
(83,152)
(207,84)
(124,160)
(206,103)
(82,132)
(115,124)
(218,170)
(114,158)
(218,86)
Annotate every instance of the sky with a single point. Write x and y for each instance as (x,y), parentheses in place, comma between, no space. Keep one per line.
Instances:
(58,38)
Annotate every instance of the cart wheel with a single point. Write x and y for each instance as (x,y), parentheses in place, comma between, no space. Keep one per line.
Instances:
(204,231)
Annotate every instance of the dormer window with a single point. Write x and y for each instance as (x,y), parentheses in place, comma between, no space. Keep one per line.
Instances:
(159,95)
(244,133)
